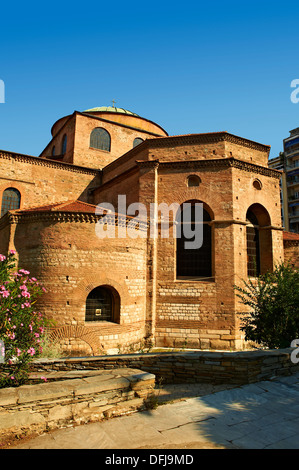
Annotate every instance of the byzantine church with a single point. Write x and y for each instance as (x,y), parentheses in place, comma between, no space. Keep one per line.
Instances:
(119,294)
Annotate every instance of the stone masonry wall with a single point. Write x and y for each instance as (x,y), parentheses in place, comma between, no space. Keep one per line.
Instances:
(212,367)
(47,406)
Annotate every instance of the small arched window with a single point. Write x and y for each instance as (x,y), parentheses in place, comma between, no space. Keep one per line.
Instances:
(11,200)
(257,185)
(64,144)
(137,141)
(102,304)
(100,139)
(194,262)
(193,180)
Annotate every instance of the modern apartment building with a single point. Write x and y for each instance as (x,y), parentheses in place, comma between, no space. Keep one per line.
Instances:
(288,162)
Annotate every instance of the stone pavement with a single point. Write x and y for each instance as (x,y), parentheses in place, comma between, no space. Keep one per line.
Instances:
(264,415)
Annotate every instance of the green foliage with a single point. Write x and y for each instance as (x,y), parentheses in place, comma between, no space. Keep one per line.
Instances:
(273,300)
(21,326)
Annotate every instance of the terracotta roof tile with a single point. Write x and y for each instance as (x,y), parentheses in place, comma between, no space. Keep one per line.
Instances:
(68,206)
(290,236)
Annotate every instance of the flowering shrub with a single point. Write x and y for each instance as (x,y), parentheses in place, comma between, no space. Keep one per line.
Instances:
(21,327)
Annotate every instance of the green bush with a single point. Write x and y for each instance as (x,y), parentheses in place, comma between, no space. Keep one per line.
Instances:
(21,326)
(272,319)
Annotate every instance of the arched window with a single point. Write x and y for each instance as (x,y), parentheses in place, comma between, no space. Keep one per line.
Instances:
(137,141)
(102,304)
(193,180)
(100,139)
(194,262)
(259,240)
(11,200)
(53,150)
(253,245)
(64,144)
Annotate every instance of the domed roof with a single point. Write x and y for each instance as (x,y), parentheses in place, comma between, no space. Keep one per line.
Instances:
(110,109)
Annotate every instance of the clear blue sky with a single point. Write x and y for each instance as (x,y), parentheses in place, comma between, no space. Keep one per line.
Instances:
(189,66)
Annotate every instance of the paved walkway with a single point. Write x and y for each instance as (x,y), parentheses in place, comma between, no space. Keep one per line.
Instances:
(264,415)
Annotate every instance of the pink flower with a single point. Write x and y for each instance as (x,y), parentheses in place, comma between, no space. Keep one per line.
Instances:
(12,252)
(2,258)
(5,293)
(23,271)
(25,294)
(31,351)
(18,352)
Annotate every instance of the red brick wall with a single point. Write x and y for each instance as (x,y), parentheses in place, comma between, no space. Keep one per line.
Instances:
(43,182)
(70,260)
(291,252)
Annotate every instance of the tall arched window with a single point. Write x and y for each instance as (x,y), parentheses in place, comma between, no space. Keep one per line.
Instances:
(259,240)
(100,139)
(64,144)
(194,262)
(137,141)
(11,200)
(102,304)
(253,245)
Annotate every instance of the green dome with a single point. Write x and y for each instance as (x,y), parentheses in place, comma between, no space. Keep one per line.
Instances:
(110,109)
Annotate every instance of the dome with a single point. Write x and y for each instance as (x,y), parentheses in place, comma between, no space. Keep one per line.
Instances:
(110,109)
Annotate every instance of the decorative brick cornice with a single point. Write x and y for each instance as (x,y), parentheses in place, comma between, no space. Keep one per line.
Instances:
(112,219)
(207,138)
(221,163)
(291,242)
(150,164)
(47,163)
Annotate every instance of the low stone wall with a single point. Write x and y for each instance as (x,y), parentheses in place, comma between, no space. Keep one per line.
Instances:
(46,406)
(189,367)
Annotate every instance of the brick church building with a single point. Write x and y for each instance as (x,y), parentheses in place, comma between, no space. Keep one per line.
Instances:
(116,293)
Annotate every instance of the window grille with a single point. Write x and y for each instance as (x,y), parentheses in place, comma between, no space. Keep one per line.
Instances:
(195,262)
(100,139)
(253,245)
(99,305)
